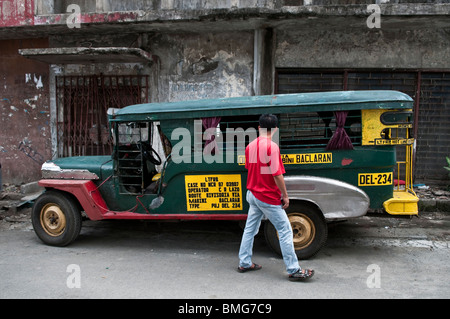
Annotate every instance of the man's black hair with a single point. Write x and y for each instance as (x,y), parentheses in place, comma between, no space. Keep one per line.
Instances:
(268,121)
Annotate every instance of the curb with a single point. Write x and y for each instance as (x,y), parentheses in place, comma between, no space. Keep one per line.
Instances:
(31,188)
(432,205)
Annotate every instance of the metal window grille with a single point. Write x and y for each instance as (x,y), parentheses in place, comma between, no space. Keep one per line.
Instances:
(82,103)
(430,90)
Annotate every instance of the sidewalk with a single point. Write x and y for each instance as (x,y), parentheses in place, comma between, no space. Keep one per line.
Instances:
(428,229)
(433,199)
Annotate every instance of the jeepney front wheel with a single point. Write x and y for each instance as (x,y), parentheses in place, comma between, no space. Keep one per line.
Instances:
(309,230)
(56,218)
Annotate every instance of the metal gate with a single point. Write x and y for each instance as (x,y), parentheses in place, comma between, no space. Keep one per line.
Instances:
(430,90)
(82,103)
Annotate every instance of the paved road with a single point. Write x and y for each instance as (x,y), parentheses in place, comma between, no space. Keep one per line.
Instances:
(369,257)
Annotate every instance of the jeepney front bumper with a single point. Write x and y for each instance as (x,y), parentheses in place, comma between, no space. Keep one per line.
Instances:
(336,199)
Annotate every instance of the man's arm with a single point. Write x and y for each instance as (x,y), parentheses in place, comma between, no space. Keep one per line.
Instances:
(279,180)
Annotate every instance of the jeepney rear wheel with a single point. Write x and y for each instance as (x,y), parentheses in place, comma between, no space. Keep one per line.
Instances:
(309,230)
(56,218)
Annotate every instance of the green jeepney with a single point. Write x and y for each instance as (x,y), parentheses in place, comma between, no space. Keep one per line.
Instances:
(185,160)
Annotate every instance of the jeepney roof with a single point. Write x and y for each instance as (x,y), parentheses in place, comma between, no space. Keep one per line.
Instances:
(281,103)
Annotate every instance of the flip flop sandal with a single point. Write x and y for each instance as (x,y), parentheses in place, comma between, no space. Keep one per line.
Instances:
(301,275)
(252,267)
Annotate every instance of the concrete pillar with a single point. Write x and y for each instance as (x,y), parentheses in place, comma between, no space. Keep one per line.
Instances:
(263,62)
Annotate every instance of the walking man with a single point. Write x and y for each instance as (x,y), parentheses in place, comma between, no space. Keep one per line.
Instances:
(267,196)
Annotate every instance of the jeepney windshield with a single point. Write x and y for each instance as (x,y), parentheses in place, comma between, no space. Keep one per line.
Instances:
(132,133)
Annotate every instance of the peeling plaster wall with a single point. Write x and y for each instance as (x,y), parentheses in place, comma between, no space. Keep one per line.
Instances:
(16,12)
(199,66)
(24,112)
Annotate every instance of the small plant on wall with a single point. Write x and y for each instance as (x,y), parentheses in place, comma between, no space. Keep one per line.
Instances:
(448,163)
(448,169)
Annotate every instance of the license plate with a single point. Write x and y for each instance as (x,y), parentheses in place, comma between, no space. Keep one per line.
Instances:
(375,179)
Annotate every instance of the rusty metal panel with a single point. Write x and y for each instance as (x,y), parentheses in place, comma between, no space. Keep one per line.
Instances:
(82,103)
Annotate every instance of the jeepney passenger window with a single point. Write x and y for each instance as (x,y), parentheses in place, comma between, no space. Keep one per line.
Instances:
(229,133)
(315,129)
(239,131)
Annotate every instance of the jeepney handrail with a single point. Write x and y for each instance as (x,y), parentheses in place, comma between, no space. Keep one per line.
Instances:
(163,173)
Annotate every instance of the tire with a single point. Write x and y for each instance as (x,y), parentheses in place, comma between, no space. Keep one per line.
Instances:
(56,218)
(309,229)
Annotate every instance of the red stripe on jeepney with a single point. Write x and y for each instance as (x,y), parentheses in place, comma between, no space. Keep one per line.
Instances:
(85,191)
(96,209)
(130,215)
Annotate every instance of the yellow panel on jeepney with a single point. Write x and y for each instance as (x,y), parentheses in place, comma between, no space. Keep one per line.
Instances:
(392,127)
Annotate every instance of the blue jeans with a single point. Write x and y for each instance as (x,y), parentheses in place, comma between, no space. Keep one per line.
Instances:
(279,219)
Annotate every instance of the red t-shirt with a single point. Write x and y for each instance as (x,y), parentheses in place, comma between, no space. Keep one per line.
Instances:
(263,162)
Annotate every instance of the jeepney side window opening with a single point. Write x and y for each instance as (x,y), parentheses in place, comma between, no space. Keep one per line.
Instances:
(315,129)
(211,132)
(131,168)
(241,131)
(200,137)
(167,145)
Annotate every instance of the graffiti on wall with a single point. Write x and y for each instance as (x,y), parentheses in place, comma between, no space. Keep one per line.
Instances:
(31,153)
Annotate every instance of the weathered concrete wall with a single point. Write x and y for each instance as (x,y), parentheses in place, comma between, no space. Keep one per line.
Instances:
(51,6)
(59,6)
(207,65)
(25,112)
(98,40)
(187,65)
(363,48)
